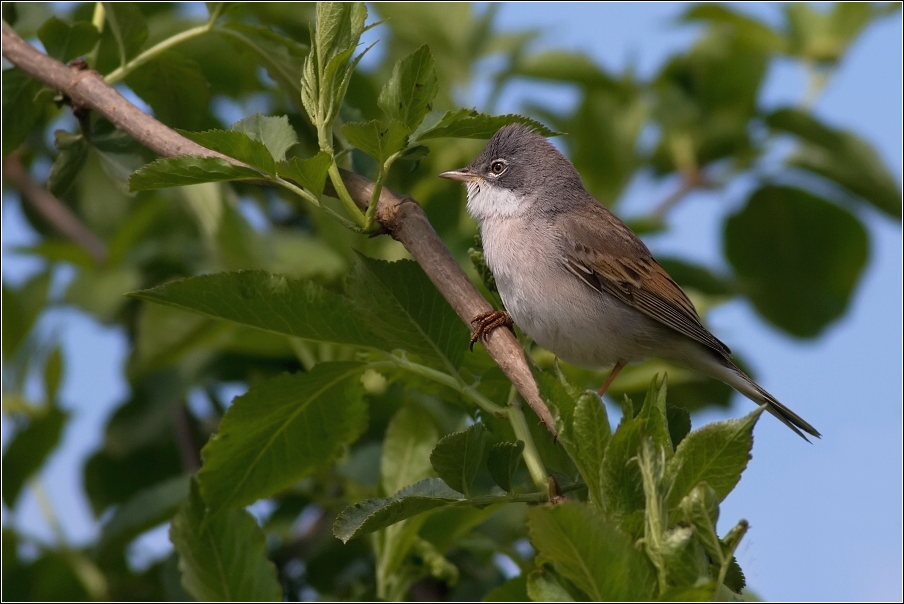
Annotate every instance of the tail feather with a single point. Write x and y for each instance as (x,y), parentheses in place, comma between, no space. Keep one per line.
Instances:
(722,368)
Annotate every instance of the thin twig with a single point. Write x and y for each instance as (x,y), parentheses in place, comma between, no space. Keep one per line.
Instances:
(689,181)
(402,217)
(53,210)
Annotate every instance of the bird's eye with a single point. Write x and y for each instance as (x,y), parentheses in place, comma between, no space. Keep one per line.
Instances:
(498,167)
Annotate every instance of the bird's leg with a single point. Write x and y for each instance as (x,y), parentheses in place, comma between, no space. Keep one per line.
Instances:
(615,370)
(484,325)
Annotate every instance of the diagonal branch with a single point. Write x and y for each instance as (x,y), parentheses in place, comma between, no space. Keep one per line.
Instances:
(52,209)
(403,218)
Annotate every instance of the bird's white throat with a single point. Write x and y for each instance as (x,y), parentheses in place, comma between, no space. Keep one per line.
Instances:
(486,201)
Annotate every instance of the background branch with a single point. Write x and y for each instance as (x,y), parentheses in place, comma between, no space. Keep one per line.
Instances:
(401,217)
(52,209)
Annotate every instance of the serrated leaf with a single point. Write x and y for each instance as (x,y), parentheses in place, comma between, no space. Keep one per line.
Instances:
(310,173)
(620,481)
(146,509)
(28,450)
(274,132)
(716,453)
(222,558)
(237,145)
(841,157)
(798,257)
(410,437)
(187,170)
(683,559)
(543,586)
(734,578)
(688,593)
(700,509)
(175,88)
(65,42)
(591,435)
(408,94)
(378,140)
(502,462)
(69,163)
(128,26)
(20,111)
(375,514)
(456,457)
(653,414)
(282,56)
(401,305)
(468,123)
(590,551)
(259,299)
(280,431)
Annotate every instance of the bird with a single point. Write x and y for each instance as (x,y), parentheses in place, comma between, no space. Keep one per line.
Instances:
(576,279)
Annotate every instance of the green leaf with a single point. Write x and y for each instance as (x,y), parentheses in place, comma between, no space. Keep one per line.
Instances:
(798,257)
(543,586)
(688,593)
(222,558)
(408,95)
(375,514)
(128,26)
(823,36)
(679,421)
(456,457)
(20,111)
(502,462)
(187,170)
(143,511)
(53,375)
(683,559)
(237,145)
(841,157)
(65,42)
(28,450)
(620,481)
(700,509)
(468,123)
(653,415)
(280,431)
(562,66)
(401,305)
(282,56)
(21,307)
(716,453)
(592,434)
(69,163)
(274,132)
(175,88)
(100,291)
(410,437)
(376,139)
(513,590)
(272,302)
(310,173)
(747,28)
(590,551)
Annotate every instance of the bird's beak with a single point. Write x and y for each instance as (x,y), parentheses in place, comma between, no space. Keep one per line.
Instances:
(463,174)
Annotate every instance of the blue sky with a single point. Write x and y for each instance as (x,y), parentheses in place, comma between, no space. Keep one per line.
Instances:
(826,519)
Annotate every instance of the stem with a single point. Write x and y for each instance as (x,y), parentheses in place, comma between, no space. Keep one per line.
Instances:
(531,455)
(49,513)
(152,53)
(378,188)
(344,196)
(97,20)
(291,186)
(452,381)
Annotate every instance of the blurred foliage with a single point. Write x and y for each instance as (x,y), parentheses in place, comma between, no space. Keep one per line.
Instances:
(363,412)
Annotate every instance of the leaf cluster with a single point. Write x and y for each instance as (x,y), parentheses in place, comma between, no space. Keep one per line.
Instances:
(279,357)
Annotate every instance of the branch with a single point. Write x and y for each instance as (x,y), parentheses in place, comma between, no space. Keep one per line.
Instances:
(403,218)
(53,210)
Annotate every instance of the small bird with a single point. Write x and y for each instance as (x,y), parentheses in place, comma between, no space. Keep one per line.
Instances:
(576,279)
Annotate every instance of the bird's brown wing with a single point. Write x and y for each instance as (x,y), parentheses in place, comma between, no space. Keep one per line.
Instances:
(615,261)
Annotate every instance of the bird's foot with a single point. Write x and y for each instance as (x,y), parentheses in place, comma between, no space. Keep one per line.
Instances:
(485,324)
